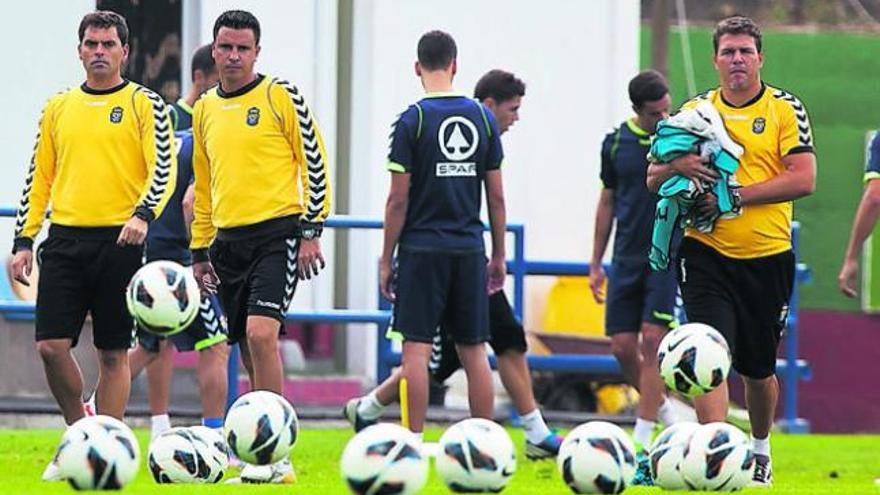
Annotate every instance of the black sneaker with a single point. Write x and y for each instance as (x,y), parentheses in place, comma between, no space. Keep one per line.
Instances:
(547,449)
(763,475)
(357,421)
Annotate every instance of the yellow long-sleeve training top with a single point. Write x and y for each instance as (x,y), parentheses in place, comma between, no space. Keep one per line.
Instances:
(258,155)
(101,156)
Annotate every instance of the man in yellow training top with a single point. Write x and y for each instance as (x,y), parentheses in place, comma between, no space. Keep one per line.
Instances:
(739,277)
(262,192)
(104,162)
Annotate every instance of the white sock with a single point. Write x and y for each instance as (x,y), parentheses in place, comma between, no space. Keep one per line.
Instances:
(761,445)
(370,408)
(536,428)
(643,431)
(159,424)
(666,413)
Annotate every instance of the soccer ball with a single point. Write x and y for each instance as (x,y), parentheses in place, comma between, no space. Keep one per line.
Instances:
(476,455)
(666,454)
(163,297)
(188,455)
(384,458)
(597,457)
(694,359)
(719,457)
(261,427)
(98,453)
(214,439)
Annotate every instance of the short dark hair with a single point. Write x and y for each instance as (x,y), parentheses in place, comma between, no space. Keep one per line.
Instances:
(499,85)
(202,60)
(104,19)
(648,85)
(737,25)
(436,50)
(238,19)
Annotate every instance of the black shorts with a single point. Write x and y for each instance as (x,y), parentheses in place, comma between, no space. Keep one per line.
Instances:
(83,270)
(257,276)
(636,294)
(744,299)
(205,331)
(441,288)
(506,334)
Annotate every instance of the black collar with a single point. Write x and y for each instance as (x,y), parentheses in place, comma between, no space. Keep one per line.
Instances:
(114,89)
(750,102)
(242,90)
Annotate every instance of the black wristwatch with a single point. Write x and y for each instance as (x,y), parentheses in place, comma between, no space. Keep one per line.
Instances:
(309,230)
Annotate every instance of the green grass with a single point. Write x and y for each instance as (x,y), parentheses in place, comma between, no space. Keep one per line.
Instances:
(802,466)
(835,75)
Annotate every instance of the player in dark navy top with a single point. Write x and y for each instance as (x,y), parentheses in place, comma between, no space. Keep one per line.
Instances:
(502,93)
(865,219)
(204,77)
(639,301)
(165,240)
(168,239)
(444,148)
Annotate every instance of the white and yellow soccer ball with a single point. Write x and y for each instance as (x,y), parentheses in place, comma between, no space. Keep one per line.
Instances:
(597,457)
(261,427)
(476,455)
(666,454)
(694,359)
(163,297)
(719,457)
(384,458)
(98,453)
(194,454)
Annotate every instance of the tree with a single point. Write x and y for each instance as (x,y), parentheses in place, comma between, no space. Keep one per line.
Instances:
(660,37)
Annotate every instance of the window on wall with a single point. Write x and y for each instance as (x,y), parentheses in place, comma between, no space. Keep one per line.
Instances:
(154,42)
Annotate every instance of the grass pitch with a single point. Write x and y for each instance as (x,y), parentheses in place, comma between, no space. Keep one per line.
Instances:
(812,464)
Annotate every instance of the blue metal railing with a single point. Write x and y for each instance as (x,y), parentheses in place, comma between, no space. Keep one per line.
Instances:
(790,369)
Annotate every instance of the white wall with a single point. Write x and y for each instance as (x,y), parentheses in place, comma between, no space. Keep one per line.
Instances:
(575,57)
(41,62)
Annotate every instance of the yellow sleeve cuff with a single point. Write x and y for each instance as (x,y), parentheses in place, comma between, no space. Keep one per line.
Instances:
(396,167)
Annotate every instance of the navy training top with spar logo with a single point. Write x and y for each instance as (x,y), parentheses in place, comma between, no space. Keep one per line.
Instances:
(447,142)
(167,236)
(624,169)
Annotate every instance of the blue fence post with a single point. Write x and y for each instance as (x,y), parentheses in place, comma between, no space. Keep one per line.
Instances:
(519,269)
(383,347)
(790,420)
(232,375)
